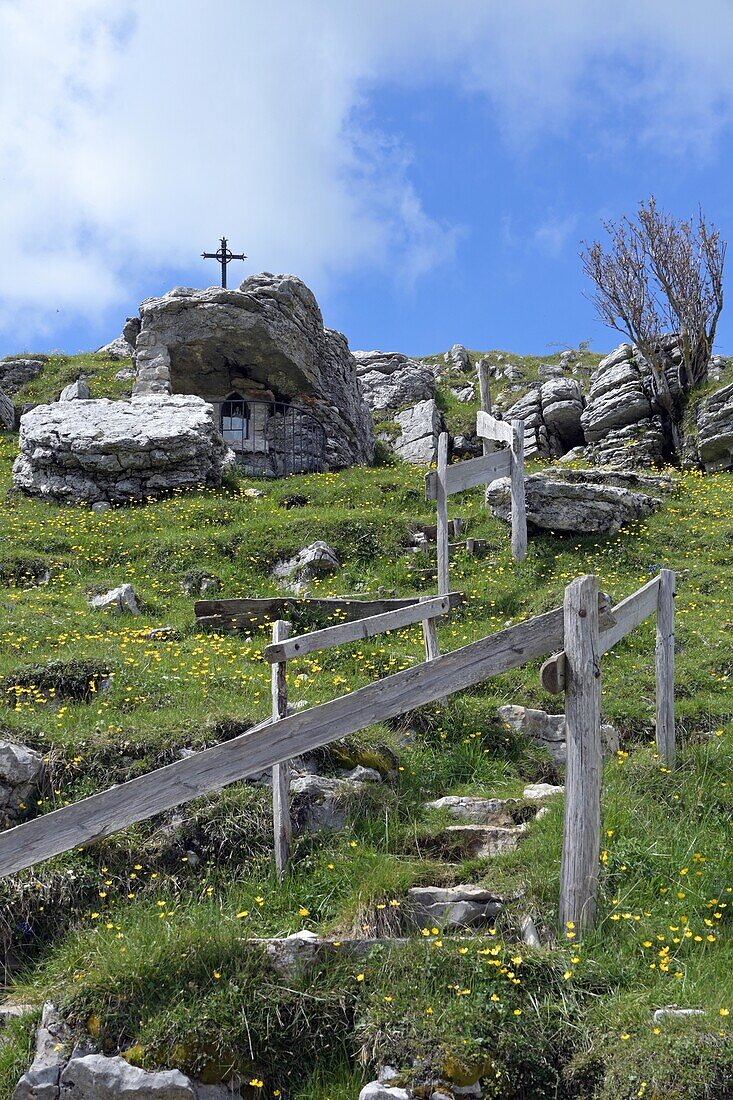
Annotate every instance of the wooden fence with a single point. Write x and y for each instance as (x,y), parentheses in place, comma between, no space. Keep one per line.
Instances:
(446,480)
(284,648)
(577,635)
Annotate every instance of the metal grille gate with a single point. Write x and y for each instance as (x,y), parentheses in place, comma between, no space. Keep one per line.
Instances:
(273,439)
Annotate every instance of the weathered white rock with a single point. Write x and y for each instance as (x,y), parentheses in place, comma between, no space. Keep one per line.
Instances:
(318,802)
(452,907)
(547,731)
(538,792)
(119,450)
(587,507)
(674,1013)
(478,811)
(484,841)
(420,427)
(76,391)
(118,600)
(389,380)
(97,1077)
(715,430)
(263,339)
(317,560)
(377,1091)
(562,408)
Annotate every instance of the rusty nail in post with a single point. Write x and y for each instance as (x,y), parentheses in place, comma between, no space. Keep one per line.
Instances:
(582,613)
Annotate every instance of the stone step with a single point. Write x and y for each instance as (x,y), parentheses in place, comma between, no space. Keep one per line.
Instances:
(479,811)
(484,841)
(447,907)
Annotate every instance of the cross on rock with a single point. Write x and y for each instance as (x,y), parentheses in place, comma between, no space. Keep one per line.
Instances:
(224,256)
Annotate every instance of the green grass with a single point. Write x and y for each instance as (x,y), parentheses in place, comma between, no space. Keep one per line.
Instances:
(147,947)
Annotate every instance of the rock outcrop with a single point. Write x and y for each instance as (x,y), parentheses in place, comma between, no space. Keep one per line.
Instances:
(715,430)
(389,380)
(551,414)
(119,451)
(458,358)
(317,560)
(123,347)
(578,507)
(420,427)
(265,341)
(16,372)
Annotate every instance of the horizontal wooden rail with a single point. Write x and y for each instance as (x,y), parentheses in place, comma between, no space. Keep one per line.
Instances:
(266,745)
(488,427)
(360,629)
(465,475)
(623,618)
(262,612)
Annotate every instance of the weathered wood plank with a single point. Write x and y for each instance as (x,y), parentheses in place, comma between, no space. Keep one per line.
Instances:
(281,824)
(442,510)
(484,390)
(552,674)
(665,727)
(489,427)
(519,508)
(251,613)
(584,765)
(430,635)
(261,747)
(477,471)
(356,631)
(429,531)
(630,613)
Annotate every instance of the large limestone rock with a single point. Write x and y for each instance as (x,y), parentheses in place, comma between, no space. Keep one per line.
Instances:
(715,430)
(578,507)
(458,358)
(420,427)
(119,451)
(16,372)
(389,380)
(123,347)
(551,413)
(266,341)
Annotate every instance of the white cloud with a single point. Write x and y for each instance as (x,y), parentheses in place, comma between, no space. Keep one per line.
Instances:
(135,132)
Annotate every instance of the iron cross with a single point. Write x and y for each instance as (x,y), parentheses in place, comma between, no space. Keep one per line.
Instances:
(224,256)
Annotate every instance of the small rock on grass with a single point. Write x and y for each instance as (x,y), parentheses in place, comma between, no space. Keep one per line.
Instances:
(117,600)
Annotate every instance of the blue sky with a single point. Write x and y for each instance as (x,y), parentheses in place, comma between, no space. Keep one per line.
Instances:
(429,167)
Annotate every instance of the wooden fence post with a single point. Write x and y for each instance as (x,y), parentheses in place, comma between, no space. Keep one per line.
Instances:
(583,769)
(665,729)
(430,636)
(485,398)
(281,772)
(442,509)
(519,508)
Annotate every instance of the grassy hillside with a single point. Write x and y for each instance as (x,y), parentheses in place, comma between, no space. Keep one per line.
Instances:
(146,938)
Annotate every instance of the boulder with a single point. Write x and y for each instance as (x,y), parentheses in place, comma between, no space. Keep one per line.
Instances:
(97,1077)
(420,427)
(389,380)
(547,731)
(77,391)
(117,600)
(16,372)
(452,907)
(715,430)
(22,773)
(529,409)
(123,347)
(7,413)
(119,451)
(265,341)
(562,408)
(560,505)
(318,803)
(538,792)
(317,560)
